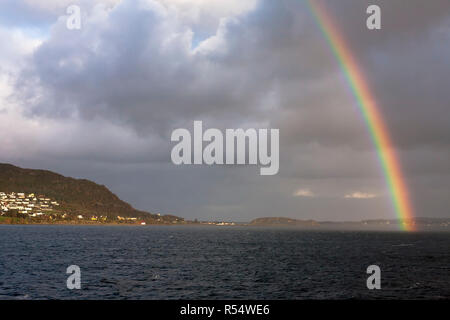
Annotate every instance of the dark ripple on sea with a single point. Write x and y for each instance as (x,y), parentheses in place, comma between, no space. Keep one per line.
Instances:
(147,262)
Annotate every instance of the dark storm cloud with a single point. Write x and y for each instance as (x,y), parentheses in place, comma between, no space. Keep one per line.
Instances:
(135,66)
(141,70)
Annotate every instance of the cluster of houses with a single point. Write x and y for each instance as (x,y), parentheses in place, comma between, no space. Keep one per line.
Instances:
(26,203)
(38,205)
(34,205)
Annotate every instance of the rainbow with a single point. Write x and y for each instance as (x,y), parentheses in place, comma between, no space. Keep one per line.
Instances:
(370,112)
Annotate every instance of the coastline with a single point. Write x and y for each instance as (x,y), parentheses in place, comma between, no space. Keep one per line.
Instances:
(23,221)
(321,228)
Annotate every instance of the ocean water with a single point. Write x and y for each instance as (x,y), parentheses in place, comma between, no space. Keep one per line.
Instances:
(156,262)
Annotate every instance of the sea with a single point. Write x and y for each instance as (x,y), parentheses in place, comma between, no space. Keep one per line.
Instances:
(237,262)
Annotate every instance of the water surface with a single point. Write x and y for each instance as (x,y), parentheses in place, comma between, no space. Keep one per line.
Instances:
(157,262)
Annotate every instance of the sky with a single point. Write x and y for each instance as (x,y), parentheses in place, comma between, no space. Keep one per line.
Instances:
(101,102)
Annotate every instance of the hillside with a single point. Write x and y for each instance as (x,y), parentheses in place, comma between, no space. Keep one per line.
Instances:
(76,196)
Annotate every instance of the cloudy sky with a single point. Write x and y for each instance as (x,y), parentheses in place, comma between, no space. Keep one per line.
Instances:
(101,102)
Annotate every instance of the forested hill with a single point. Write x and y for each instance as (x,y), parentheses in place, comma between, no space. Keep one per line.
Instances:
(76,196)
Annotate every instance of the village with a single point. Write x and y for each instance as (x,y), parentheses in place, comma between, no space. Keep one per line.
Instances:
(28,204)
(35,206)
(40,208)
(43,208)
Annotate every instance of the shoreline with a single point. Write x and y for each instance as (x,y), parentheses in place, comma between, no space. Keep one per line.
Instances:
(272,227)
